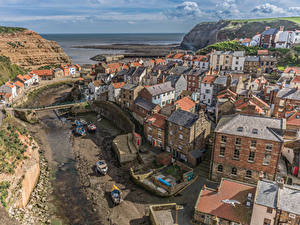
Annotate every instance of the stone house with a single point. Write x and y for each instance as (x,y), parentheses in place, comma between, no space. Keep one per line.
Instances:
(251,64)
(129,92)
(247,146)
(114,91)
(267,64)
(143,108)
(178,82)
(159,94)
(238,59)
(228,204)
(155,130)
(186,132)
(138,75)
(220,60)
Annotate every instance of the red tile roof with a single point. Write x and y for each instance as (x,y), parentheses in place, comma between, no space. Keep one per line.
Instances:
(262,52)
(200,58)
(118,85)
(296,79)
(210,201)
(114,67)
(294,119)
(227,94)
(135,64)
(292,70)
(178,56)
(27,77)
(208,79)
(10,84)
(158,120)
(42,72)
(20,77)
(246,40)
(185,103)
(19,84)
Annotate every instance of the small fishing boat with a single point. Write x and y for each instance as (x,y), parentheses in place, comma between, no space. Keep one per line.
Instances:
(101,167)
(92,127)
(81,131)
(77,123)
(116,195)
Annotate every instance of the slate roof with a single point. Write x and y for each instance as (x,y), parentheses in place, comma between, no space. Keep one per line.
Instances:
(238,53)
(129,86)
(267,128)
(252,59)
(160,88)
(221,80)
(149,106)
(289,93)
(139,71)
(271,31)
(266,193)
(178,70)
(196,72)
(183,118)
(267,58)
(289,199)
(173,78)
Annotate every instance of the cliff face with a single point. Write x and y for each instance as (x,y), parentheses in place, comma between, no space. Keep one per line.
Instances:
(207,33)
(28,49)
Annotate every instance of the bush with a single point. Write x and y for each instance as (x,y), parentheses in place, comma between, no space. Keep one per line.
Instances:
(4,185)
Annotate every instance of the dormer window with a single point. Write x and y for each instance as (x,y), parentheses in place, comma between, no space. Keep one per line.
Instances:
(254,131)
(240,129)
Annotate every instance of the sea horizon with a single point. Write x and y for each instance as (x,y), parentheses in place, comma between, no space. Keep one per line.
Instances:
(82,55)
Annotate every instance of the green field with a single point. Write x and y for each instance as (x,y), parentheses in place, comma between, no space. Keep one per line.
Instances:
(292,19)
(11,29)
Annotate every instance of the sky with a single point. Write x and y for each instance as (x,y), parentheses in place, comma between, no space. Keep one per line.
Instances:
(134,16)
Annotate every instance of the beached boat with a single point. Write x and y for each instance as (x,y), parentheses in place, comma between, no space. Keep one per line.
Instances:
(116,195)
(80,131)
(101,167)
(92,127)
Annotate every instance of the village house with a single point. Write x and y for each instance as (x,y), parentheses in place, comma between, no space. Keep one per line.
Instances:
(267,39)
(293,121)
(221,60)
(114,91)
(225,103)
(193,78)
(276,203)
(143,108)
(295,83)
(286,99)
(186,104)
(201,62)
(138,75)
(267,64)
(10,88)
(186,132)
(43,74)
(155,130)
(221,83)
(58,72)
(247,146)
(207,89)
(20,86)
(251,64)
(238,59)
(228,204)
(178,82)
(98,90)
(284,39)
(129,92)
(177,57)
(255,40)
(159,94)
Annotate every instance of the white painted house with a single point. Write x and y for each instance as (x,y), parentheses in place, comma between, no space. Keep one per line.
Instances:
(238,59)
(207,90)
(162,94)
(114,91)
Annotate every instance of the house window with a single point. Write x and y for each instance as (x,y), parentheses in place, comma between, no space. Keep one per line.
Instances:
(253,144)
(171,132)
(159,136)
(223,139)
(267,159)
(254,131)
(180,136)
(238,141)
(269,147)
(234,171)
(180,128)
(269,210)
(251,156)
(248,173)
(222,151)
(180,147)
(207,91)
(267,221)
(236,154)
(220,168)
(239,129)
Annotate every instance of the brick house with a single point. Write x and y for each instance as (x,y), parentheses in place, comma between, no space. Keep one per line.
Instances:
(154,130)
(247,146)
(286,99)
(251,64)
(293,121)
(129,92)
(186,132)
(229,204)
(207,89)
(193,78)
(142,108)
(267,64)
(267,39)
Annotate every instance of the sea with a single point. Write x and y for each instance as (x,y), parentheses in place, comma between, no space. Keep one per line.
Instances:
(83,55)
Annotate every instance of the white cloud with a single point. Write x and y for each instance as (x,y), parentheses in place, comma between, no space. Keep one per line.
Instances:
(186,10)
(227,9)
(294,9)
(268,9)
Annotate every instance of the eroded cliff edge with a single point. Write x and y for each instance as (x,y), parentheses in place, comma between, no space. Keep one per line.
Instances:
(28,49)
